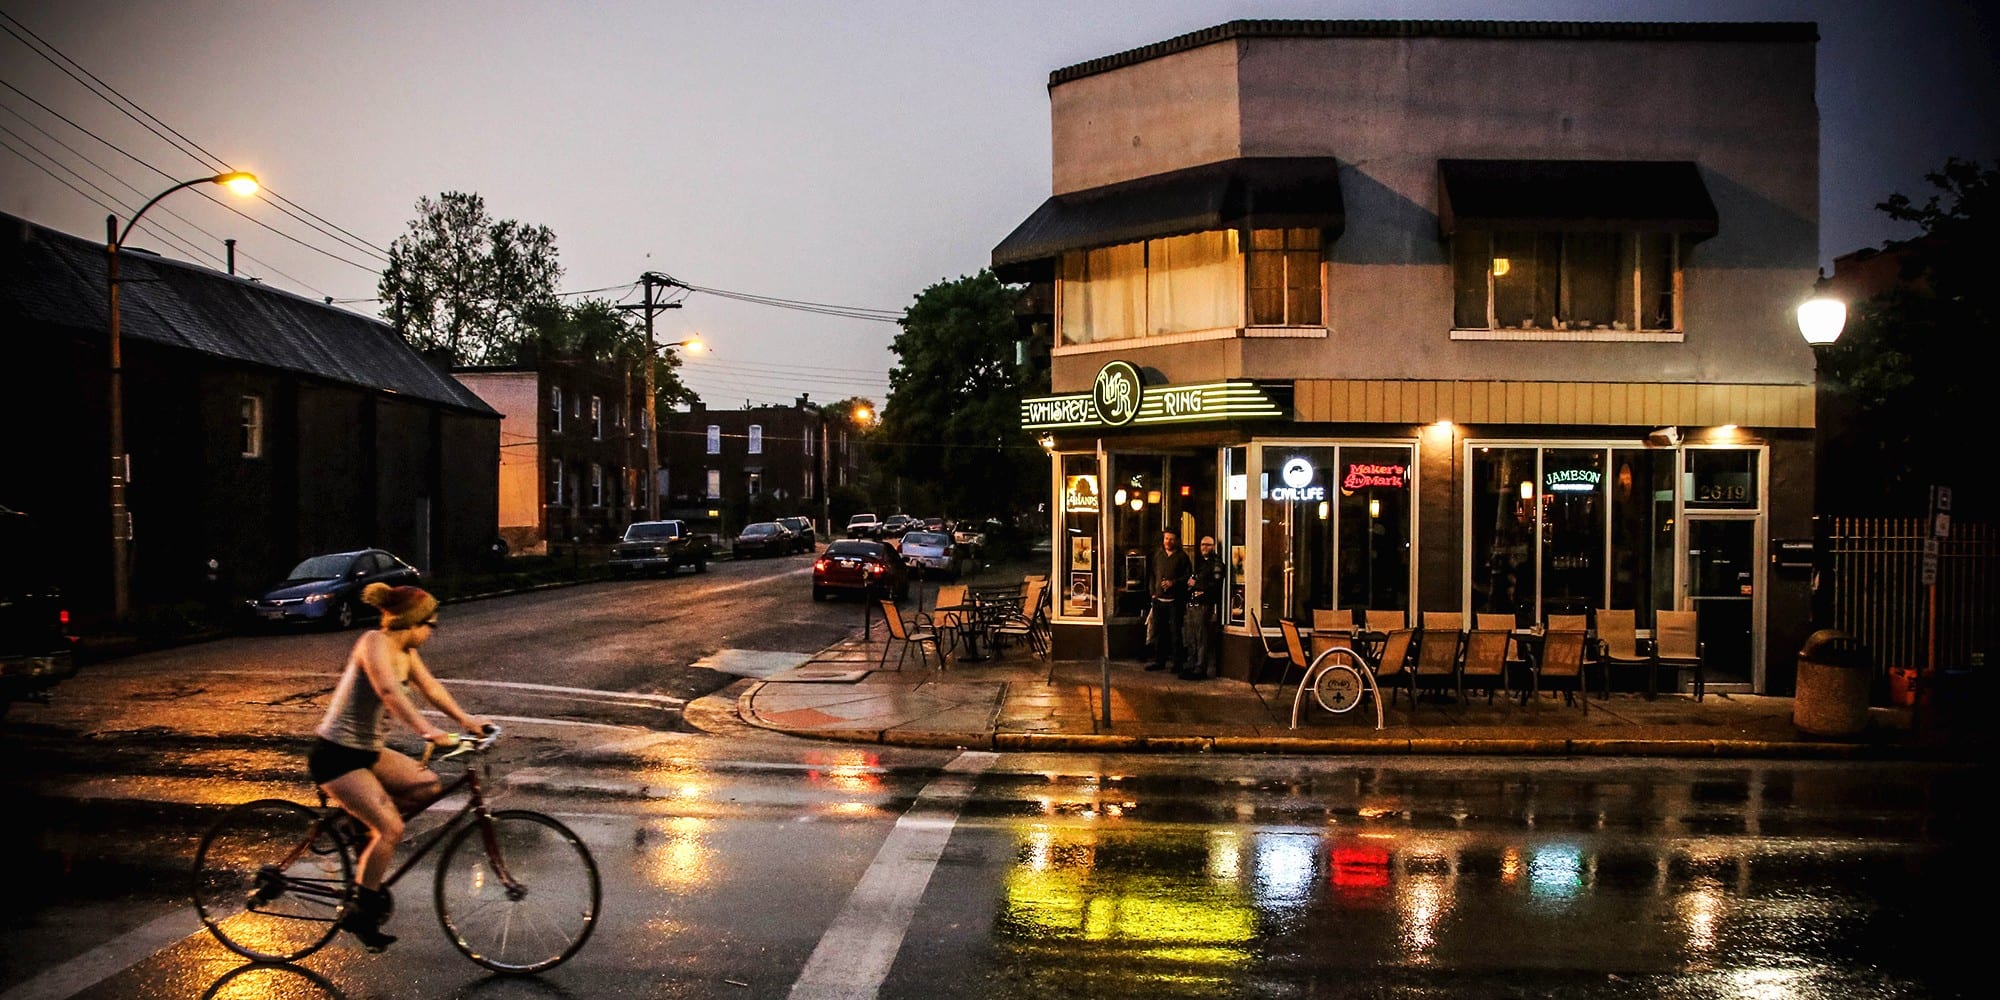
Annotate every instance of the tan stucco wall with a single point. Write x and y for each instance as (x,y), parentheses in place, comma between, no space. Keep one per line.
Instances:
(516,396)
(1390,108)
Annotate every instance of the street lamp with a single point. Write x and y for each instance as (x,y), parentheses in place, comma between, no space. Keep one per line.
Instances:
(237,182)
(693,345)
(1821,321)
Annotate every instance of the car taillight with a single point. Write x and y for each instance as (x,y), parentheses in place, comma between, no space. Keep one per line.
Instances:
(877,568)
(819,565)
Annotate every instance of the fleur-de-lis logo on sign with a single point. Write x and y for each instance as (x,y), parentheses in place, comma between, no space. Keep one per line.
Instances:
(1117,393)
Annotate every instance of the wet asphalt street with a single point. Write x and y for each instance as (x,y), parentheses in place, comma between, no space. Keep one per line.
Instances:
(751,865)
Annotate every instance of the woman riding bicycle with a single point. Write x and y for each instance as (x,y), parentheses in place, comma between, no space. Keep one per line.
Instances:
(350,762)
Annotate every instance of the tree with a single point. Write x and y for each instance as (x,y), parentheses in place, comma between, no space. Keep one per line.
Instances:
(952,423)
(597,330)
(1900,381)
(462,285)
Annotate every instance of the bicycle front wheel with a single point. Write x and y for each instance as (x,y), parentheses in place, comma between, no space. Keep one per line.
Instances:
(269,880)
(517,893)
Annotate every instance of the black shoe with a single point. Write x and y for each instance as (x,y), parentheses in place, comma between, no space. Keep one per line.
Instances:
(1155,666)
(364,917)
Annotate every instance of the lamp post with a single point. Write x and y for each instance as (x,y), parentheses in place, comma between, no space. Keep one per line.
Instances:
(1821,321)
(240,183)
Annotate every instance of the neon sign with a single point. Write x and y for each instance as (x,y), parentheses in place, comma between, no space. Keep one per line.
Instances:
(1574,481)
(1297,475)
(1361,475)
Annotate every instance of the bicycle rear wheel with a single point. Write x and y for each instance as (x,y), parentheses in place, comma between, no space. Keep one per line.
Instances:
(539,913)
(269,880)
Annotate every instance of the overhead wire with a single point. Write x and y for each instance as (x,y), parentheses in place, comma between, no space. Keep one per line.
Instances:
(126,106)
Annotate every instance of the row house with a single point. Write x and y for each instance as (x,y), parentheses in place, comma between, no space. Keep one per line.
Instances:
(1435,316)
(573,450)
(727,468)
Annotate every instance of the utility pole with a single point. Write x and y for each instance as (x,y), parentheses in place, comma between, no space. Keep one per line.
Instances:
(825,480)
(653,281)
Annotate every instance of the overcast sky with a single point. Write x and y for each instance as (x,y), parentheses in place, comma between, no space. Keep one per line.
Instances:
(847,154)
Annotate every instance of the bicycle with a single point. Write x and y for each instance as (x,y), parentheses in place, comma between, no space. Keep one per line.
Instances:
(272,877)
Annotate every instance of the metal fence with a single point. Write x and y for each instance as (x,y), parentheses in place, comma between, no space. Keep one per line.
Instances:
(1879,597)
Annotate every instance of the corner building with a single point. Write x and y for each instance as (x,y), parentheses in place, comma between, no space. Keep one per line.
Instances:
(1486,317)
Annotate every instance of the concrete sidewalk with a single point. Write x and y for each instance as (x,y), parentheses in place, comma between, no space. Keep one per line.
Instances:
(1015,702)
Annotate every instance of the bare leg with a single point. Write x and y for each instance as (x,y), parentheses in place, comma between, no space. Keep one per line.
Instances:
(411,784)
(361,793)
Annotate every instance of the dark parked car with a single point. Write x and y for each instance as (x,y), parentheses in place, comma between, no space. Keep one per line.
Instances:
(862,567)
(764,538)
(804,538)
(326,589)
(896,524)
(37,651)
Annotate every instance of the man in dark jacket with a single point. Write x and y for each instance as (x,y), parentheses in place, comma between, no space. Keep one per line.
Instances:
(1170,570)
(1204,605)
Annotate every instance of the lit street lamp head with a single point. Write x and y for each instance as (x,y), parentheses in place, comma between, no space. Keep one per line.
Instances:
(239,182)
(1821,320)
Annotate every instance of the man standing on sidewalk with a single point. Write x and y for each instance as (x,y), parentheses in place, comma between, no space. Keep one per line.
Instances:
(1204,603)
(1171,568)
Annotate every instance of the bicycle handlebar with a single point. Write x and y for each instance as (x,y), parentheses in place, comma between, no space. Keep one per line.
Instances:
(466,743)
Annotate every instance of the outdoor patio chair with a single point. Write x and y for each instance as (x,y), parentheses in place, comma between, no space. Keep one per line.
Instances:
(925,638)
(1025,622)
(1518,663)
(1438,649)
(1273,654)
(1392,667)
(1619,647)
(1376,626)
(1295,650)
(1678,646)
(1444,621)
(1562,665)
(1485,660)
(1331,628)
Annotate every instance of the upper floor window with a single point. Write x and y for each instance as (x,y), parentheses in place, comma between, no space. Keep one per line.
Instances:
(1565,280)
(597,418)
(714,441)
(714,483)
(252,414)
(555,482)
(555,409)
(596,485)
(756,439)
(1190,284)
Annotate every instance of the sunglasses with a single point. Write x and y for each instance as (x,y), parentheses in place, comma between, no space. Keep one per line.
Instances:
(430,623)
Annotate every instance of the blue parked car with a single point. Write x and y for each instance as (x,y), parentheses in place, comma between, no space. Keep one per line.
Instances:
(325,590)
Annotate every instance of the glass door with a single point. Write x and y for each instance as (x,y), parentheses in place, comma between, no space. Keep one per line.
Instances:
(1722,582)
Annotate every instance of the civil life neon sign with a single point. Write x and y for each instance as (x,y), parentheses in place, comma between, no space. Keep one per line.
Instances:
(1297,475)
(1119,397)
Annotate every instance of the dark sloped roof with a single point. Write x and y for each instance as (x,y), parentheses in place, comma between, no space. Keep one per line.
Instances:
(53,278)
(1672,31)
(1271,192)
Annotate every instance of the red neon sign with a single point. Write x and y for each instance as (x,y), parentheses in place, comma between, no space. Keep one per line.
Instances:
(1361,475)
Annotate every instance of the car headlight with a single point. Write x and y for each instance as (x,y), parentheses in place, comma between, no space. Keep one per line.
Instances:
(316,598)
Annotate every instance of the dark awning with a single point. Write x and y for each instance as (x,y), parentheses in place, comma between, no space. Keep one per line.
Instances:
(1656,196)
(1261,192)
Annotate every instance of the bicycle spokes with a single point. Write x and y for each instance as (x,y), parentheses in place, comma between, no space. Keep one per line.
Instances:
(517,892)
(270,881)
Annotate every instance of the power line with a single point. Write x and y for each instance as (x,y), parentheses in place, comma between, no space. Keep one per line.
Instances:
(848,312)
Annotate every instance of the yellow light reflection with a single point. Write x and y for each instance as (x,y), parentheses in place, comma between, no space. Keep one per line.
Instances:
(1424,902)
(1700,910)
(683,859)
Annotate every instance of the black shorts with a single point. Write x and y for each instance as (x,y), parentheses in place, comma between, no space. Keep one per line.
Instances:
(329,760)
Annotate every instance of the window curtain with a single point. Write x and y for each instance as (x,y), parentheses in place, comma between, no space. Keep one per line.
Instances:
(1192,283)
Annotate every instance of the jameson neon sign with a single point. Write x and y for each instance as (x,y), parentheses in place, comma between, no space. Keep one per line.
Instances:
(1575,481)
(1362,476)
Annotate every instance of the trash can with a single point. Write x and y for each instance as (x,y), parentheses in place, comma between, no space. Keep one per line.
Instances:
(1835,672)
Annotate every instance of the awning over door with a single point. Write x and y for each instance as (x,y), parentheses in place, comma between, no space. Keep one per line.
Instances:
(1261,192)
(1574,196)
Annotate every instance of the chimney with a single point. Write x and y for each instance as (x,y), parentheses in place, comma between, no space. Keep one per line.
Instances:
(230,245)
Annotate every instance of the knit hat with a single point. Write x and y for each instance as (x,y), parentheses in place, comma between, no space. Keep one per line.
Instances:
(402,607)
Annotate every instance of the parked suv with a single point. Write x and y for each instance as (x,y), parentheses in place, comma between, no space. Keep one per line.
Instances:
(863,526)
(804,539)
(896,525)
(37,651)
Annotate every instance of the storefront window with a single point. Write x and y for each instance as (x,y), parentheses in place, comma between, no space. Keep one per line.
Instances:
(1234,537)
(1642,528)
(1573,528)
(1296,575)
(1503,531)
(1375,510)
(1723,478)
(1082,506)
(1137,494)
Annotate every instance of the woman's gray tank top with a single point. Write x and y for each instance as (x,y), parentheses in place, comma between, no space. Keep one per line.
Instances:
(356,717)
